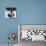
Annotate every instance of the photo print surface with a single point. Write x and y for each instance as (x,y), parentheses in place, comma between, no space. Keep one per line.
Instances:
(10,12)
(33,32)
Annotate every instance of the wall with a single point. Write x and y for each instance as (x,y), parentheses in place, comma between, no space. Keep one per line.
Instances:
(28,12)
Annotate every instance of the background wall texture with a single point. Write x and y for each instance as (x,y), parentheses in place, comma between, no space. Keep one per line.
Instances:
(28,12)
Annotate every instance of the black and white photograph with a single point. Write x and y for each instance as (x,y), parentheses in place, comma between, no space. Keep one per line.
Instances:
(10,12)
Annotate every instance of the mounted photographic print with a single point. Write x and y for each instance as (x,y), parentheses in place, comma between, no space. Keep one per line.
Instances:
(32,32)
(10,12)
